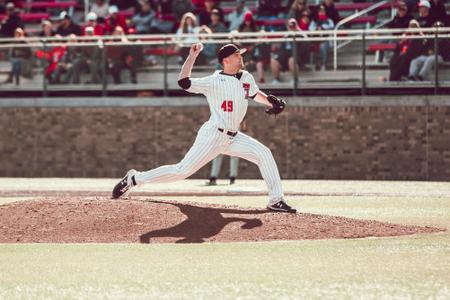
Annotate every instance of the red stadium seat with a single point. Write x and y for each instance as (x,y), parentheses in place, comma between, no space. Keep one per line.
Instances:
(383,47)
(31,17)
(380,47)
(49,4)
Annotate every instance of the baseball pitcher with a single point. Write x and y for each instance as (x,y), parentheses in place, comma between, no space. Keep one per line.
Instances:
(227,92)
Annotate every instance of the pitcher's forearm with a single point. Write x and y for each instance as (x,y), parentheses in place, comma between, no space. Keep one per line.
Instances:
(261,97)
(186,69)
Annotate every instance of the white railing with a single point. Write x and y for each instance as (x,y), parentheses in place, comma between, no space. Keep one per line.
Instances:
(244,38)
(222,38)
(347,20)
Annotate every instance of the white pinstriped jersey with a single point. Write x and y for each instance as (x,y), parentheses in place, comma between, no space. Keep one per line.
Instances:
(227,97)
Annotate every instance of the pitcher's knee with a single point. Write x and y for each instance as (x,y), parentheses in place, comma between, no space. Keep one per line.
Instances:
(184,171)
(263,153)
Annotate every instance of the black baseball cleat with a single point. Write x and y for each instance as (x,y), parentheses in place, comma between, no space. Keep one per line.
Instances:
(281,206)
(123,188)
(212,181)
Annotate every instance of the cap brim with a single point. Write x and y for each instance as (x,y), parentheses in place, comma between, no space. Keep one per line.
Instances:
(242,51)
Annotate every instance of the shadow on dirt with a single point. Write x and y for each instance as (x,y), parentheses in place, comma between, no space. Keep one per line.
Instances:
(202,223)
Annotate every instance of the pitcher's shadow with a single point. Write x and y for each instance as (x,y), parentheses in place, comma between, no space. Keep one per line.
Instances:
(201,223)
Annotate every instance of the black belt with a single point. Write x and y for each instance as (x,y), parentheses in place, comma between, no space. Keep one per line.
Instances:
(230,133)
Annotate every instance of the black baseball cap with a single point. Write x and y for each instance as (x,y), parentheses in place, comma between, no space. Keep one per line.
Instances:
(227,50)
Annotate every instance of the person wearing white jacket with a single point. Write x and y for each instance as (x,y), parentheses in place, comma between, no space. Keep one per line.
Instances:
(236,18)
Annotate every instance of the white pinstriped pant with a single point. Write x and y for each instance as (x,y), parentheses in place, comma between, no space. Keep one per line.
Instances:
(209,143)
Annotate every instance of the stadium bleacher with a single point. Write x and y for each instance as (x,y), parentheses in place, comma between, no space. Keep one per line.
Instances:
(31,17)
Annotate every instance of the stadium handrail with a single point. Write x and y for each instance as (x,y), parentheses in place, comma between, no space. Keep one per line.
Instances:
(347,20)
(258,37)
(247,37)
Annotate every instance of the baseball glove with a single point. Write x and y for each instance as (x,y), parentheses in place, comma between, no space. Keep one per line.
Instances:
(278,105)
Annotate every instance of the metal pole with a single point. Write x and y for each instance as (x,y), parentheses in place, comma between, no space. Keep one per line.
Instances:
(436,61)
(104,67)
(294,53)
(335,51)
(165,68)
(45,64)
(86,9)
(363,83)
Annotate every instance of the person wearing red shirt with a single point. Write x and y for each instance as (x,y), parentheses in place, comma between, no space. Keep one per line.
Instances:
(115,19)
(91,19)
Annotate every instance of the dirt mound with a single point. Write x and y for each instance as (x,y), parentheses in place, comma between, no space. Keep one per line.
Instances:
(101,220)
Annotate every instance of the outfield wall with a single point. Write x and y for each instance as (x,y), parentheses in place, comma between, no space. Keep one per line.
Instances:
(382,137)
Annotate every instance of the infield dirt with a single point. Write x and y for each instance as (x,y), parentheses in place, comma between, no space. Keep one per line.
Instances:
(86,219)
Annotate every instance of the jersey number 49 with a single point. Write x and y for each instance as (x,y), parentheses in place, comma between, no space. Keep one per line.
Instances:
(227,105)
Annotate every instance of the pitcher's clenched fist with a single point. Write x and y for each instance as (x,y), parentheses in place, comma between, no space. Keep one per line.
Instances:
(196,49)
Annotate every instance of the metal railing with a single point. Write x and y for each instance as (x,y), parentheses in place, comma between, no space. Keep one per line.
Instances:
(165,41)
(347,20)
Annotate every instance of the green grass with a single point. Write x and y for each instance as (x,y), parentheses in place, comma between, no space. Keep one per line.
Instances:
(416,267)
(407,267)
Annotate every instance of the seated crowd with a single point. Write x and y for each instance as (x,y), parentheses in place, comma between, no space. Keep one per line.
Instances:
(414,58)
(201,18)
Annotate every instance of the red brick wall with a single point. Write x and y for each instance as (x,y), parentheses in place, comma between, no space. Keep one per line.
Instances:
(308,142)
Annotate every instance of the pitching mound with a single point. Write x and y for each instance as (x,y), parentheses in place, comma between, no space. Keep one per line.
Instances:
(84,220)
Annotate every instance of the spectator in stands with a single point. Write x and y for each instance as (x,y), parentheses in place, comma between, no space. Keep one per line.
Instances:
(101,10)
(425,19)
(400,21)
(20,58)
(269,9)
(296,10)
(2,7)
(283,59)
(216,24)
(11,22)
(249,24)
(159,25)
(188,25)
(402,17)
(91,21)
(258,54)
(199,4)
(53,57)
(204,15)
(332,11)
(67,26)
(305,20)
(181,7)
(93,57)
(407,49)
(122,57)
(236,17)
(46,29)
(438,11)
(143,21)
(422,65)
(115,19)
(163,7)
(71,63)
(322,22)
(411,4)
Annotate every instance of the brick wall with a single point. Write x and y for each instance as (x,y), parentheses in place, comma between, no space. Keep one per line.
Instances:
(323,142)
